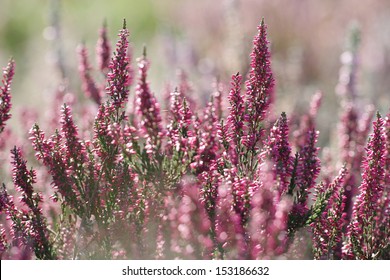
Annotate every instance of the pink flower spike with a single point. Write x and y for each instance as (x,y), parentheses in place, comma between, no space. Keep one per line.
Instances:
(217,96)
(34,224)
(387,133)
(74,148)
(5,93)
(236,112)
(185,88)
(23,179)
(103,49)
(279,150)
(89,86)
(260,85)
(309,165)
(119,77)
(315,104)
(366,216)
(178,129)
(208,142)
(373,174)
(148,108)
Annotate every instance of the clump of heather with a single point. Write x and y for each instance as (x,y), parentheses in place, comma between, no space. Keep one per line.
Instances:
(125,181)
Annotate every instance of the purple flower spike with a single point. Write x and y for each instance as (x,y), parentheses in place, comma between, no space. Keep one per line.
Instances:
(236,115)
(208,142)
(315,104)
(365,224)
(89,86)
(23,179)
(387,133)
(103,50)
(309,165)
(148,108)
(119,77)
(5,93)
(35,228)
(243,190)
(280,153)
(178,130)
(185,88)
(259,86)
(74,148)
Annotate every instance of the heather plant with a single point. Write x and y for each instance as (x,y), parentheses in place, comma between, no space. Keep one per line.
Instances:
(196,182)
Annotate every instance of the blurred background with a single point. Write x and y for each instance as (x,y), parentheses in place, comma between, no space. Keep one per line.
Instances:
(207,39)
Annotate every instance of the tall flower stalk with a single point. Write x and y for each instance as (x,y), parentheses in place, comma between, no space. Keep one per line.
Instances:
(5,93)
(118,77)
(366,215)
(258,97)
(89,86)
(148,108)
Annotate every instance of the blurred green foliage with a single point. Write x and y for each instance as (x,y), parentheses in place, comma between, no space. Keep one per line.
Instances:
(24,20)
(23,24)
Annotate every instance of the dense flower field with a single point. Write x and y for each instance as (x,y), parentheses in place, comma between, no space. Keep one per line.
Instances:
(229,180)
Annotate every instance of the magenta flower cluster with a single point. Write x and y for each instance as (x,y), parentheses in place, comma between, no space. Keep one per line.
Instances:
(122,179)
